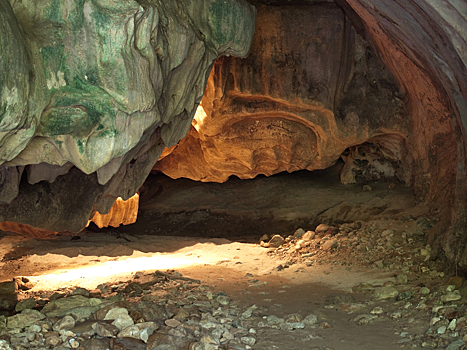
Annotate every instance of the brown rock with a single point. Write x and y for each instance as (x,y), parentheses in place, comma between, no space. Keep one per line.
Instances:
(276,241)
(329,244)
(456,281)
(122,212)
(321,230)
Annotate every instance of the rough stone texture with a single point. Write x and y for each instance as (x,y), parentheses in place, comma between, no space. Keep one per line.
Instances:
(122,212)
(390,99)
(95,90)
(310,88)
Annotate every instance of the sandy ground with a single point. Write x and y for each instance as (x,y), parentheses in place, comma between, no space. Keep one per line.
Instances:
(175,214)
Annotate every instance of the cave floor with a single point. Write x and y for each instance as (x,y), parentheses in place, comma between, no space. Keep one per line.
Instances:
(210,232)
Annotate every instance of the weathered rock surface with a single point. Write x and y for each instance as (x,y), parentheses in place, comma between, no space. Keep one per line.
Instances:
(310,88)
(390,99)
(89,104)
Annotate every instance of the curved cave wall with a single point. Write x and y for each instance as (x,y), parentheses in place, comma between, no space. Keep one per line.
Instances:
(94,92)
(380,84)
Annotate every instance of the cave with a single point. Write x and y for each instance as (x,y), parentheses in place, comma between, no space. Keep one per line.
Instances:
(287,138)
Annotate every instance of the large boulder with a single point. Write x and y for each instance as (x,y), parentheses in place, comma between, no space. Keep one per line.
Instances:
(92,92)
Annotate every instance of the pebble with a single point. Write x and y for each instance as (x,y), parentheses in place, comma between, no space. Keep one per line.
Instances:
(378,310)
(276,241)
(329,244)
(451,296)
(456,345)
(382,293)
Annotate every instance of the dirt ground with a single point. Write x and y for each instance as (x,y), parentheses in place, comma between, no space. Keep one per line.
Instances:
(211,232)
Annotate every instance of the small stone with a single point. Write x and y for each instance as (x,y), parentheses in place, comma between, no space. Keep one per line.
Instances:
(95,344)
(67,322)
(8,287)
(115,313)
(173,323)
(404,295)
(308,236)
(52,338)
(294,318)
(378,310)
(456,281)
(441,330)
(451,296)
(4,345)
(452,325)
(123,321)
(140,331)
(104,288)
(25,319)
(329,244)
(364,319)
(248,340)
(325,325)
(65,306)
(276,241)
(382,293)
(105,329)
(366,188)
(322,229)
(80,291)
(74,343)
(223,300)
(310,319)
(402,279)
(182,314)
(299,233)
(424,291)
(450,288)
(25,304)
(456,345)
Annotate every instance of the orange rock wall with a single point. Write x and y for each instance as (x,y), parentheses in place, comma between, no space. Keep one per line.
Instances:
(291,104)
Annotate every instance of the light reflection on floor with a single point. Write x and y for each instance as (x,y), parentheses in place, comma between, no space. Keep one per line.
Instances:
(92,275)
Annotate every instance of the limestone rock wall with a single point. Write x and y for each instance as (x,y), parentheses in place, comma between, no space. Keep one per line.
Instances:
(93,90)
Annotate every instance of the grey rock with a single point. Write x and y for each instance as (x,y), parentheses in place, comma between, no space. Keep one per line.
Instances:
(25,319)
(67,322)
(4,345)
(455,345)
(310,319)
(25,304)
(276,241)
(64,306)
(8,287)
(330,244)
(451,296)
(382,293)
(80,291)
(104,329)
(95,344)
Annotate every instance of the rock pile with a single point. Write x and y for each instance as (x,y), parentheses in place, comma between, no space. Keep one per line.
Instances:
(161,311)
(357,243)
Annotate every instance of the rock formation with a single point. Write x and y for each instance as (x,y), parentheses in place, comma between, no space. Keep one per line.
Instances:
(92,92)
(376,83)
(300,99)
